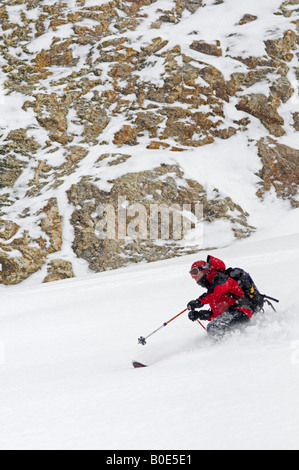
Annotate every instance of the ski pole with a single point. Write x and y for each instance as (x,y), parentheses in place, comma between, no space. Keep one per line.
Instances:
(201,324)
(270,298)
(142,340)
(266,297)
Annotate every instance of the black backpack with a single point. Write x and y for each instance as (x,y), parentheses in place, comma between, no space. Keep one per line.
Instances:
(248,287)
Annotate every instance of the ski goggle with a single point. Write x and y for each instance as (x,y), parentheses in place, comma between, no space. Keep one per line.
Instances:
(196,271)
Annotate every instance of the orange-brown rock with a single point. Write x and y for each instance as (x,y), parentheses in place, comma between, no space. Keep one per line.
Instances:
(280,169)
(296,121)
(162,187)
(265,109)
(58,270)
(105,80)
(280,48)
(59,54)
(127,135)
(247,18)
(51,225)
(206,48)
(8,229)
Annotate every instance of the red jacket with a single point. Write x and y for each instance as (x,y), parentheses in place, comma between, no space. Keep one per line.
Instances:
(220,286)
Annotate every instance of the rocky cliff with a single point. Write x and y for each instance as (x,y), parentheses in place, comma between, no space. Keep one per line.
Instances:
(103,100)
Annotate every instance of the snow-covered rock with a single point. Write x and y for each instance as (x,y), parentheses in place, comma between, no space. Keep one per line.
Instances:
(93,92)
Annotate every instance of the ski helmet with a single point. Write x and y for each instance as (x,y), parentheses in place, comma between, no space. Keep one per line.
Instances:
(198,267)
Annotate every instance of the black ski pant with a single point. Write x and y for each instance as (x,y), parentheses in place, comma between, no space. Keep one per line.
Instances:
(230,320)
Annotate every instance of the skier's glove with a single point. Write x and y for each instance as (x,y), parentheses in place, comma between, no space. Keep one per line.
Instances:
(202,315)
(193,315)
(194,304)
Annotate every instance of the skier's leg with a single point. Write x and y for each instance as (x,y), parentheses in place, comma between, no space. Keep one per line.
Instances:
(226,322)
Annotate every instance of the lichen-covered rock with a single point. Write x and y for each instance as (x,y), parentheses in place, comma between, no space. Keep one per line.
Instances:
(137,195)
(10,170)
(88,84)
(8,229)
(51,225)
(127,135)
(280,48)
(18,268)
(58,55)
(296,121)
(265,109)
(280,170)
(206,48)
(58,270)
(32,252)
(247,18)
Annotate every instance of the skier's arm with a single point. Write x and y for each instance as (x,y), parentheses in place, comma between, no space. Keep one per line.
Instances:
(222,285)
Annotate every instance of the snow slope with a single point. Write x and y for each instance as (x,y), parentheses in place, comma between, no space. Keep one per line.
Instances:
(67,381)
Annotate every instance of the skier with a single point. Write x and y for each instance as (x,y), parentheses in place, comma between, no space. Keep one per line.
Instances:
(231,305)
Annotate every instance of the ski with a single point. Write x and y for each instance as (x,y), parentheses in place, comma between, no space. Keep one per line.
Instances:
(136,364)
